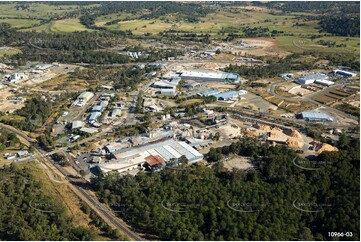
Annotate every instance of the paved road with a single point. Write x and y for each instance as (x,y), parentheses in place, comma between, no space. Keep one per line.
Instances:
(85,196)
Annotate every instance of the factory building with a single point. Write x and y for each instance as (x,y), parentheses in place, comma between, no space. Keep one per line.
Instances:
(224,96)
(163,84)
(43,67)
(15,77)
(96,108)
(208,93)
(286,75)
(116,112)
(316,117)
(192,85)
(311,78)
(153,155)
(85,96)
(167,84)
(77,124)
(206,75)
(344,73)
(324,82)
(94,117)
(167,92)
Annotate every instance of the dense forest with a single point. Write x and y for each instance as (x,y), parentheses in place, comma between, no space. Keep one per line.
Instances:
(273,68)
(276,201)
(314,6)
(34,113)
(27,214)
(125,77)
(7,139)
(189,12)
(344,25)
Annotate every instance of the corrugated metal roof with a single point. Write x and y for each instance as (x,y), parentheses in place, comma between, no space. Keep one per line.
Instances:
(226,95)
(315,115)
(209,92)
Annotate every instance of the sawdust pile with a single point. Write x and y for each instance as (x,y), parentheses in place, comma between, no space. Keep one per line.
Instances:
(250,133)
(293,133)
(294,143)
(263,127)
(327,147)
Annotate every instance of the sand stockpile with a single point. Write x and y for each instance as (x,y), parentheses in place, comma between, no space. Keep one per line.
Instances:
(293,133)
(294,143)
(250,133)
(327,147)
(263,127)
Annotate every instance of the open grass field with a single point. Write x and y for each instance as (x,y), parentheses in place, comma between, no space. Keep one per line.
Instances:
(20,23)
(68,25)
(214,22)
(8,51)
(299,45)
(37,10)
(60,26)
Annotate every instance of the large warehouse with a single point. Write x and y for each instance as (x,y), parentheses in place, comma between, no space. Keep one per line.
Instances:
(162,152)
(316,117)
(311,78)
(206,75)
(344,73)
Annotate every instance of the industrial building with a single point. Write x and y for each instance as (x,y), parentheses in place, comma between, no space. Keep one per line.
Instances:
(344,73)
(43,67)
(192,85)
(208,93)
(83,98)
(15,77)
(89,130)
(324,82)
(167,92)
(153,154)
(94,117)
(286,75)
(224,96)
(206,75)
(116,112)
(77,124)
(316,117)
(96,108)
(163,84)
(311,78)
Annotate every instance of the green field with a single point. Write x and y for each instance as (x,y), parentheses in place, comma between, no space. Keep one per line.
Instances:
(215,22)
(61,26)
(38,10)
(8,51)
(299,45)
(20,23)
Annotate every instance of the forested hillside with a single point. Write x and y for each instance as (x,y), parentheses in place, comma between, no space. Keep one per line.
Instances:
(345,25)
(277,201)
(27,214)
